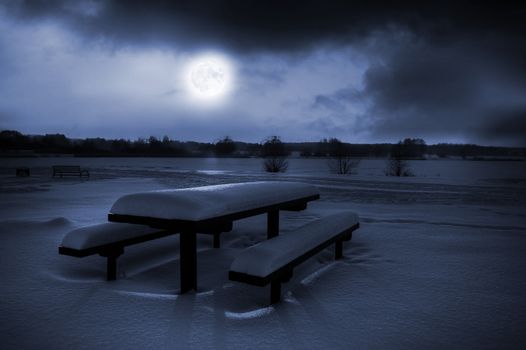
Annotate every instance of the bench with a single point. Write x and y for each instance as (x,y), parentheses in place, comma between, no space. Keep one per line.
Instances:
(273,261)
(107,240)
(69,170)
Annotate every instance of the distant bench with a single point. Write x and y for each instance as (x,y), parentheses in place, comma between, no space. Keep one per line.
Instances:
(272,261)
(69,170)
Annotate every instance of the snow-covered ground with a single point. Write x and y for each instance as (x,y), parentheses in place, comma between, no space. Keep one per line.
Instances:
(439,261)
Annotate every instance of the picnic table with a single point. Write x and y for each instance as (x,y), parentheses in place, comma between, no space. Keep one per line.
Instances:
(210,209)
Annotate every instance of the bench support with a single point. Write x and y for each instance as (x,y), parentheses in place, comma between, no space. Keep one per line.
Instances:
(111,263)
(188,261)
(275,291)
(272,224)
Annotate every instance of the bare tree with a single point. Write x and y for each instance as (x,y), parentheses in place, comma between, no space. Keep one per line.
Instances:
(340,161)
(275,155)
(396,163)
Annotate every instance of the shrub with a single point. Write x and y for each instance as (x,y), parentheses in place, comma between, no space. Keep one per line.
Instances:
(275,164)
(340,161)
(396,164)
(343,165)
(275,155)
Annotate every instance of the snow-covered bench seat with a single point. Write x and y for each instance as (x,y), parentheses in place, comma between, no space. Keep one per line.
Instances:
(273,261)
(107,240)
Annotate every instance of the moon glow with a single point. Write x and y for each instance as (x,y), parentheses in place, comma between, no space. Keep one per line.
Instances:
(209,77)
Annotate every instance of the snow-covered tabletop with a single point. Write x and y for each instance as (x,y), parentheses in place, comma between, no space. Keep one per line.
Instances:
(206,202)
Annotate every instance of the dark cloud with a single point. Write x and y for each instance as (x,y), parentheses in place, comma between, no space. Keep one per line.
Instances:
(421,89)
(507,124)
(414,88)
(429,90)
(422,81)
(272,25)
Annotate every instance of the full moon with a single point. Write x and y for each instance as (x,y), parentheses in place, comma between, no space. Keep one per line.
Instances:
(209,77)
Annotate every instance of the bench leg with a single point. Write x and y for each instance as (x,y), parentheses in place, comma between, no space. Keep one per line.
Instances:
(188,261)
(275,291)
(111,256)
(338,250)
(217,240)
(111,268)
(272,224)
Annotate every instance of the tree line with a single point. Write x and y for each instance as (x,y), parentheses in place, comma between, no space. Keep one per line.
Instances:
(16,143)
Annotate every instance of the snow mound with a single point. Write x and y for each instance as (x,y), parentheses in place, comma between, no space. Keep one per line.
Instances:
(204,202)
(249,314)
(60,221)
(316,274)
(93,276)
(55,222)
(264,258)
(153,296)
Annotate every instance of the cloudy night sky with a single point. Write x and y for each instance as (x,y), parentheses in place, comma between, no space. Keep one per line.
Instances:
(304,70)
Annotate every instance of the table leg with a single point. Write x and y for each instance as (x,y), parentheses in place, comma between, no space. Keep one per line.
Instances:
(188,261)
(112,254)
(217,239)
(275,291)
(338,250)
(272,224)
